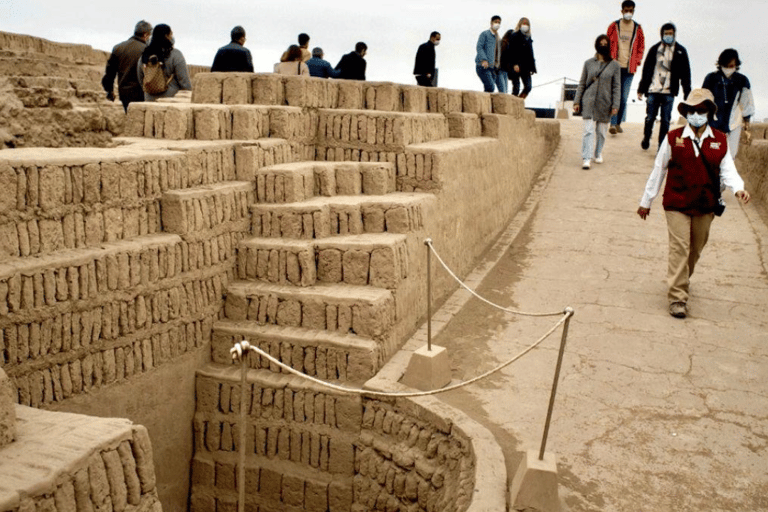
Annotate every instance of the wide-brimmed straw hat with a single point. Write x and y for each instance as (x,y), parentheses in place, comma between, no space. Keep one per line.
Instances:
(696,98)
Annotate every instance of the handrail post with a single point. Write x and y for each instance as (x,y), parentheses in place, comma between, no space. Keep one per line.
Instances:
(243,354)
(428,243)
(569,314)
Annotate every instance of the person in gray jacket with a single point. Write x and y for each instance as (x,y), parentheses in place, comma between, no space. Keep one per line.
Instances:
(174,65)
(597,99)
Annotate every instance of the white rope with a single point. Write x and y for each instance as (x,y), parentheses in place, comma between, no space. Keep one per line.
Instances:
(428,242)
(237,351)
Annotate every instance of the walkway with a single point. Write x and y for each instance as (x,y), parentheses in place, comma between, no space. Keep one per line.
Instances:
(653,413)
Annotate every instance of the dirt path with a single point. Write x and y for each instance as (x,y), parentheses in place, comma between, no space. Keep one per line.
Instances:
(653,412)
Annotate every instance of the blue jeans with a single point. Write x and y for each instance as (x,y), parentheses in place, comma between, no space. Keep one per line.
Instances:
(515,78)
(502,81)
(626,84)
(593,140)
(653,103)
(488,76)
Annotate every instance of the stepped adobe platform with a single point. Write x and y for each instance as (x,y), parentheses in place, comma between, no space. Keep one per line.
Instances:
(289,211)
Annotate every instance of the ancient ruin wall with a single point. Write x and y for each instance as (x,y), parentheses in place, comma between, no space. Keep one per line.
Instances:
(752,162)
(63,462)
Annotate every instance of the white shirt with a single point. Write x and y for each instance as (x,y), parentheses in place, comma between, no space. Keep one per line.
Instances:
(729,176)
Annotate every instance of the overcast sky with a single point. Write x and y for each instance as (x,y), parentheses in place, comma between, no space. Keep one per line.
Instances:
(563,32)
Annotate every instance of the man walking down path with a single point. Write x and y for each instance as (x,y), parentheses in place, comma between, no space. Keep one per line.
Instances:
(424,67)
(652,413)
(234,56)
(666,68)
(352,65)
(627,47)
(488,58)
(122,63)
(695,160)
(319,67)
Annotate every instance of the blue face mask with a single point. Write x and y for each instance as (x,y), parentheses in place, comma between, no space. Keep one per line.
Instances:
(668,39)
(697,120)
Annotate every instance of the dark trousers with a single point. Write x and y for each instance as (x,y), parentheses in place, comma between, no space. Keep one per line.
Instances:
(515,78)
(654,103)
(626,84)
(488,76)
(424,80)
(130,96)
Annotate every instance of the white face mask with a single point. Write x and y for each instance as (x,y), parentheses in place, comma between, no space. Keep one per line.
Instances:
(524,29)
(496,26)
(628,16)
(697,120)
(436,43)
(728,71)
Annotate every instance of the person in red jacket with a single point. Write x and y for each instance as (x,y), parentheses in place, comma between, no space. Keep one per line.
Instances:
(695,160)
(627,47)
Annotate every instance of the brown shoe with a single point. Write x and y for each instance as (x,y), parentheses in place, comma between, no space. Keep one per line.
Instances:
(612,129)
(677,309)
(618,128)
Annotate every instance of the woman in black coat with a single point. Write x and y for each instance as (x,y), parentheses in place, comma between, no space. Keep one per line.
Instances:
(517,57)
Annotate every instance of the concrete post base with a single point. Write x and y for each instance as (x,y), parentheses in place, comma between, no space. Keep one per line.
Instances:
(563,113)
(427,369)
(535,484)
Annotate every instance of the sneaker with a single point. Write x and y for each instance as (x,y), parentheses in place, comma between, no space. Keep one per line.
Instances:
(585,164)
(612,130)
(645,144)
(599,159)
(618,128)
(677,309)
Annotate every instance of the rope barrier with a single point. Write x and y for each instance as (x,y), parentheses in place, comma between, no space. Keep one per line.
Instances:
(241,348)
(470,290)
(556,80)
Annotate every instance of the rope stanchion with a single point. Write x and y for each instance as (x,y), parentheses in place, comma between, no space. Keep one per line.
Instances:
(409,394)
(428,242)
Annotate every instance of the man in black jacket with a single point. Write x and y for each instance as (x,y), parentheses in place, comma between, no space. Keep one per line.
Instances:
(234,57)
(666,68)
(122,63)
(352,65)
(424,68)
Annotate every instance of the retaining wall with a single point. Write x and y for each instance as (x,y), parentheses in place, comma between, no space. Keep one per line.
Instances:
(752,162)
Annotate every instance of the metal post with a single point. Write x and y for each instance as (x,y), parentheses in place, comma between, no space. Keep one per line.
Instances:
(569,313)
(428,242)
(243,426)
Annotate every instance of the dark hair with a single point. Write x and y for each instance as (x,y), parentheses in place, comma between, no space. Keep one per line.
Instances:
(292,54)
(608,57)
(237,33)
(359,47)
(159,45)
(687,109)
(727,56)
(627,3)
(668,26)
(433,34)
(495,17)
(317,52)
(303,39)
(142,28)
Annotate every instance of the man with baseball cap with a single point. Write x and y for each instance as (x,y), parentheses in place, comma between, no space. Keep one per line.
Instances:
(695,160)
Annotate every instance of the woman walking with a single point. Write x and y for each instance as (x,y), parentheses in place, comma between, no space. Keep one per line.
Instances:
(597,98)
(733,97)
(160,56)
(517,57)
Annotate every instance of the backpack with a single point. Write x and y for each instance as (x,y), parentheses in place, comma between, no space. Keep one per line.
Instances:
(154,78)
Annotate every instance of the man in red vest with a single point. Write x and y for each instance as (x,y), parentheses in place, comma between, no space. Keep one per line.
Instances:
(695,160)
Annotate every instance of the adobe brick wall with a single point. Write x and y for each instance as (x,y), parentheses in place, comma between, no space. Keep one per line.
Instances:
(752,162)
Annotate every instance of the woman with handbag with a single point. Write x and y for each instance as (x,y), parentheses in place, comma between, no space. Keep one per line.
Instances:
(695,160)
(293,63)
(733,97)
(162,69)
(597,99)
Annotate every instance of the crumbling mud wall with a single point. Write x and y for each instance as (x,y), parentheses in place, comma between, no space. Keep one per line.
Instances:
(66,462)
(289,211)
(752,162)
(51,94)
